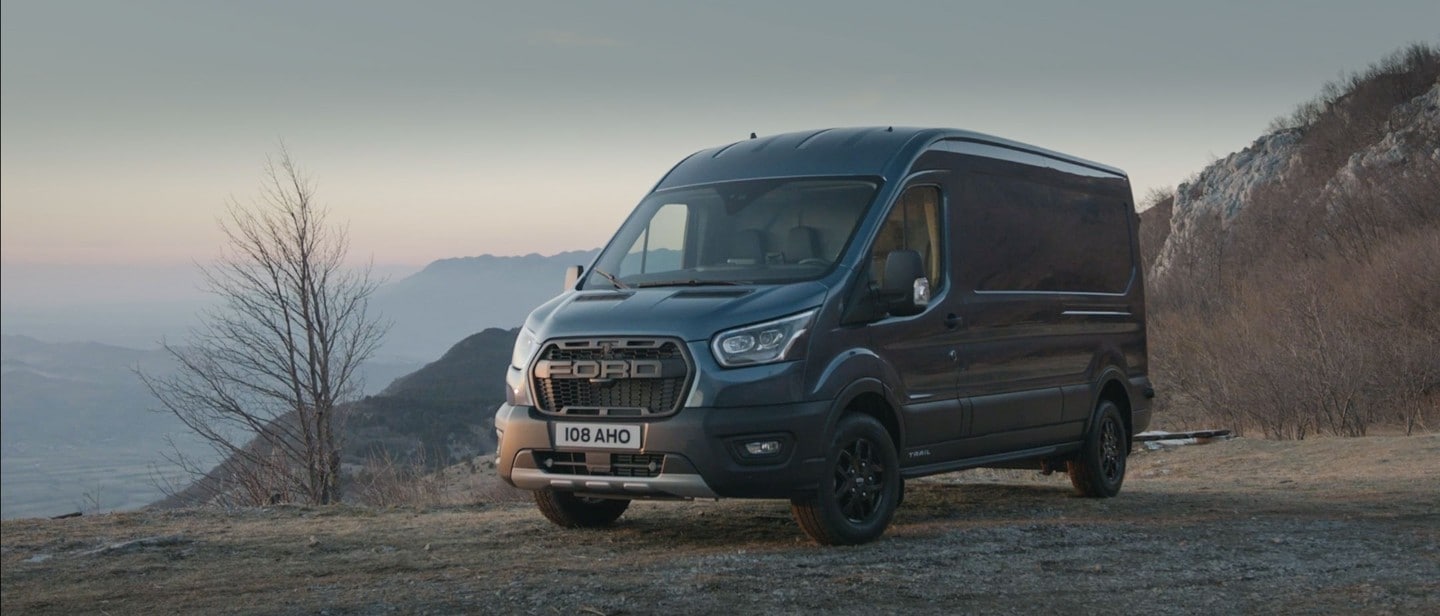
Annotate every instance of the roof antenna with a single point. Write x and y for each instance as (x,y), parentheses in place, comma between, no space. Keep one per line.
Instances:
(752,135)
(889,129)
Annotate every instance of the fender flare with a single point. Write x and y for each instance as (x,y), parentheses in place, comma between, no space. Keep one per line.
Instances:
(1110,374)
(857,388)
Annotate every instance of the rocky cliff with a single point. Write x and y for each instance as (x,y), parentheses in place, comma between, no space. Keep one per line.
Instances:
(1295,290)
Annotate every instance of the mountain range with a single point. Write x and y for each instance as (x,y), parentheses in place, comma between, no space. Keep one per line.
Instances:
(452,298)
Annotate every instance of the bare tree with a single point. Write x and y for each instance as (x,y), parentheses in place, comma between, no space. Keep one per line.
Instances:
(263,379)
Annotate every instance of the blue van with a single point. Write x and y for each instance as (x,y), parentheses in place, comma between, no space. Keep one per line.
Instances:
(818,316)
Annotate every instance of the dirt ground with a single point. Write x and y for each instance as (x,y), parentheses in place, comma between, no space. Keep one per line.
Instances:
(1243,526)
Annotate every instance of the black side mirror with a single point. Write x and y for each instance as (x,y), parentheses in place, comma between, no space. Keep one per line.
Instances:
(905,290)
(572,276)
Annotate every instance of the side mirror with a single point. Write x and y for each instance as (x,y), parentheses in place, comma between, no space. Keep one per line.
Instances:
(905,289)
(572,276)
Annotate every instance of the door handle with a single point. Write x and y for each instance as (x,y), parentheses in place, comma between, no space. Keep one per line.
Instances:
(953,320)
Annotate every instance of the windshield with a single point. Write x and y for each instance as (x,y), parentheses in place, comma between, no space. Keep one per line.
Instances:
(754,231)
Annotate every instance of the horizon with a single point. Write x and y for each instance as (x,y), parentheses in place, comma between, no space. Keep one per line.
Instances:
(511,130)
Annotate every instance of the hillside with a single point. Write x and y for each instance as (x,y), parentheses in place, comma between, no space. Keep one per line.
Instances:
(1340,526)
(453,298)
(1293,290)
(439,415)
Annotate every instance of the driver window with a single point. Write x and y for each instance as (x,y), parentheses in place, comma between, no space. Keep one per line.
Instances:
(913,224)
(661,245)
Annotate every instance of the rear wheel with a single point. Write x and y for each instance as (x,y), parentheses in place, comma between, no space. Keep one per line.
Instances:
(1099,469)
(571,511)
(858,496)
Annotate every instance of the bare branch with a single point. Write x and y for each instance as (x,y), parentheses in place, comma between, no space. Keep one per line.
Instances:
(266,375)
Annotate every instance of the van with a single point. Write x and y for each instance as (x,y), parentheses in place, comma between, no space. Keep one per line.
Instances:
(819,316)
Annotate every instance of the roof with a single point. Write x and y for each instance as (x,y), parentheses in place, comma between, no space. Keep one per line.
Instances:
(883,151)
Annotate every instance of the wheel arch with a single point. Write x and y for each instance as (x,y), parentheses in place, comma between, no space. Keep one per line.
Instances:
(869,396)
(1112,386)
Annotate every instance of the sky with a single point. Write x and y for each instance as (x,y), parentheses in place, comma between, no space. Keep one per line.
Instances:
(447,129)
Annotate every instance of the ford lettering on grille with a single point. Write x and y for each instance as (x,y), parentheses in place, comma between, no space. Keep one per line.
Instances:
(600,369)
(611,377)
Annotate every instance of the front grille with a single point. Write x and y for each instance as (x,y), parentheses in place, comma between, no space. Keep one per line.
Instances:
(594,464)
(611,377)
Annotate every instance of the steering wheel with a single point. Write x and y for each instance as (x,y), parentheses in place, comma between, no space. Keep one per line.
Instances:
(814,261)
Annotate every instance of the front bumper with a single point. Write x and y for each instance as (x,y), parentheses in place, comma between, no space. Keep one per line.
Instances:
(701,448)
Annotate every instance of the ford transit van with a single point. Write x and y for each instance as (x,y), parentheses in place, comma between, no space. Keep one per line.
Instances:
(819,316)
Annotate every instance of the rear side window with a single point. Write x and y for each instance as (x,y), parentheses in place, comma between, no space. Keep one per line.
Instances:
(1028,236)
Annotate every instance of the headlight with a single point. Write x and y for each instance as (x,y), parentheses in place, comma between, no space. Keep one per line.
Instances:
(762,343)
(516,391)
(525,345)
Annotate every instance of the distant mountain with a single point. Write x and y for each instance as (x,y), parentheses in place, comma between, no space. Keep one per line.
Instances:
(136,306)
(125,304)
(453,298)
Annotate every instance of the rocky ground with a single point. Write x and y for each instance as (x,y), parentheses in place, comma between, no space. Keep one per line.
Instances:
(1241,526)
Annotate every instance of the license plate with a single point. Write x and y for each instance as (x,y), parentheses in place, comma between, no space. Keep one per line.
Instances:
(597,436)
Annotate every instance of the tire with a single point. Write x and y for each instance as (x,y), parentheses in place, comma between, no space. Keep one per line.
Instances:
(571,511)
(1099,469)
(858,496)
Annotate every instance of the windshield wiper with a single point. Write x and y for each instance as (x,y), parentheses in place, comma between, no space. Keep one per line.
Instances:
(613,280)
(689,283)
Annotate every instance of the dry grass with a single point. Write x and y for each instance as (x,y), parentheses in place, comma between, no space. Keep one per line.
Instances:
(387,482)
(1327,525)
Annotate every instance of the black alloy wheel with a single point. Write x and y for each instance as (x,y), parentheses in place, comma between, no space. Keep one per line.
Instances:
(859,478)
(1098,470)
(858,496)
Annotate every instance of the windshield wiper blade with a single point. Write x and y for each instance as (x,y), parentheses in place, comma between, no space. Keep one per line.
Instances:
(613,280)
(690,283)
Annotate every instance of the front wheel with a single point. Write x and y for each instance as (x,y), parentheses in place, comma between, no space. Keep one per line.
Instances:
(571,511)
(1099,469)
(859,494)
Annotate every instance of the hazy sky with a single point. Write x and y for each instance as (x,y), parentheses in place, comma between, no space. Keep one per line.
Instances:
(443,129)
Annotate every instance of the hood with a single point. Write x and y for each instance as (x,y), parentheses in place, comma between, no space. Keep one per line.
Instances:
(690,313)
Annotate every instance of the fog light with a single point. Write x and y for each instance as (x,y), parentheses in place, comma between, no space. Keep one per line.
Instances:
(762,448)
